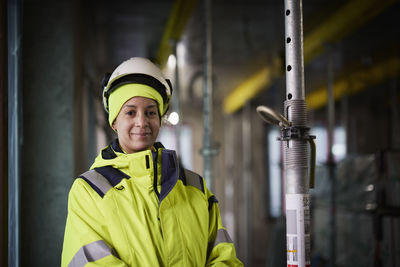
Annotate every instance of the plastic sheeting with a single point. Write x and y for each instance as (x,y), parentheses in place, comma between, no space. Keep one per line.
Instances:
(367,200)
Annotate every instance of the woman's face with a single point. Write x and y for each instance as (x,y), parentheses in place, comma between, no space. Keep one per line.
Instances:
(137,124)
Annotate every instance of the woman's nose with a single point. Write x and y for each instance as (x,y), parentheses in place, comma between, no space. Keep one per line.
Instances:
(141,119)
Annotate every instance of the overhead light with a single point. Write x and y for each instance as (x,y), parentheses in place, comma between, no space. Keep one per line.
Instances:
(339,150)
(181,52)
(171,61)
(173,118)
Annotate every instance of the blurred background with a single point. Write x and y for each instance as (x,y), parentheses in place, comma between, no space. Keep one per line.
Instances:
(53,58)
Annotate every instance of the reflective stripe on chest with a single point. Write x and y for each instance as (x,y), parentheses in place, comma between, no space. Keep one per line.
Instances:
(102,179)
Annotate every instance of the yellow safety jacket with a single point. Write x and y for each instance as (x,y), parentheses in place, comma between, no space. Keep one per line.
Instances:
(143,209)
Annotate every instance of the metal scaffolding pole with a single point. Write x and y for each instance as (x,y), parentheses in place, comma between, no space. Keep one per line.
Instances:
(295,142)
(14,129)
(331,164)
(208,151)
(3,134)
(176,103)
(295,137)
(246,245)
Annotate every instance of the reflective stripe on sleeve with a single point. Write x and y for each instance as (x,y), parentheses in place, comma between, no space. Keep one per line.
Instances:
(102,184)
(91,252)
(222,237)
(194,179)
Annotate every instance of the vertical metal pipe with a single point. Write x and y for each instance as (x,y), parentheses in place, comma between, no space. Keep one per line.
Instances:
(247,190)
(330,107)
(331,163)
(295,152)
(3,135)
(14,129)
(207,95)
(176,97)
(294,50)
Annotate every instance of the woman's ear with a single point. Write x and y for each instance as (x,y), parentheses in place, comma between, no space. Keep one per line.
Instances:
(113,127)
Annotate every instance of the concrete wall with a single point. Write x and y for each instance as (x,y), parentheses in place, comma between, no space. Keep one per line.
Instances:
(47,151)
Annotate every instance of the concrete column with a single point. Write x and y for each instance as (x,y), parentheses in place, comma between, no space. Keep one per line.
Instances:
(47,150)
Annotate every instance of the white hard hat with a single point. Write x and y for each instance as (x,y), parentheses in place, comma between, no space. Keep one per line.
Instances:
(137,70)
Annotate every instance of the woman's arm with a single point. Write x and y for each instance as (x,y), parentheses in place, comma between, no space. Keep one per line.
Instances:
(86,240)
(221,250)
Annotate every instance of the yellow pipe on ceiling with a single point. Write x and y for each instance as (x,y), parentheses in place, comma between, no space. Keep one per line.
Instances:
(180,14)
(347,19)
(355,82)
(251,87)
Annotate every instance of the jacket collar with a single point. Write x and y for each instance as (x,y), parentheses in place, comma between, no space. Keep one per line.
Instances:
(170,170)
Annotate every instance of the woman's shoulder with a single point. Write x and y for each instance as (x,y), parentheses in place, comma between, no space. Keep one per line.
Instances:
(191,178)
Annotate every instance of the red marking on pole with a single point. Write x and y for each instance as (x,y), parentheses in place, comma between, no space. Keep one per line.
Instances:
(291,265)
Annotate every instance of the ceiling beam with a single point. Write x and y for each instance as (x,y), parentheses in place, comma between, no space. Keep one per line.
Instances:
(355,82)
(345,20)
(181,12)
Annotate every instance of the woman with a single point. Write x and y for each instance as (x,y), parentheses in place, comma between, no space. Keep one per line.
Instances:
(137,206)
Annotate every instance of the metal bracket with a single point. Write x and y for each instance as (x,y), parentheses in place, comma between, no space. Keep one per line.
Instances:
(289,132)
(299,133)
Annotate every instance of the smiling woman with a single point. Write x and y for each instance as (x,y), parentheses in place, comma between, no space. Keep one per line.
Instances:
(137,206)
(137,124)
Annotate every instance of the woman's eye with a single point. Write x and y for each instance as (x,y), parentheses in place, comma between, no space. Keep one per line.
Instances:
(130,113)
(152,113)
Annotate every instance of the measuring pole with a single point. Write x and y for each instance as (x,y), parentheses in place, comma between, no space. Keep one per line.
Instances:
(295,140)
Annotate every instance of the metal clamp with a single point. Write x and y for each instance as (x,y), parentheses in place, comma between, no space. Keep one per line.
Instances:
(289,132)
(272,117)
(299,133)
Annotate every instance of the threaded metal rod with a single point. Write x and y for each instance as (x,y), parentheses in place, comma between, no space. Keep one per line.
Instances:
(296,156)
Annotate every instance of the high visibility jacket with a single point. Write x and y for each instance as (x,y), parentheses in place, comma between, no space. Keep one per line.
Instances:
(143,209)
